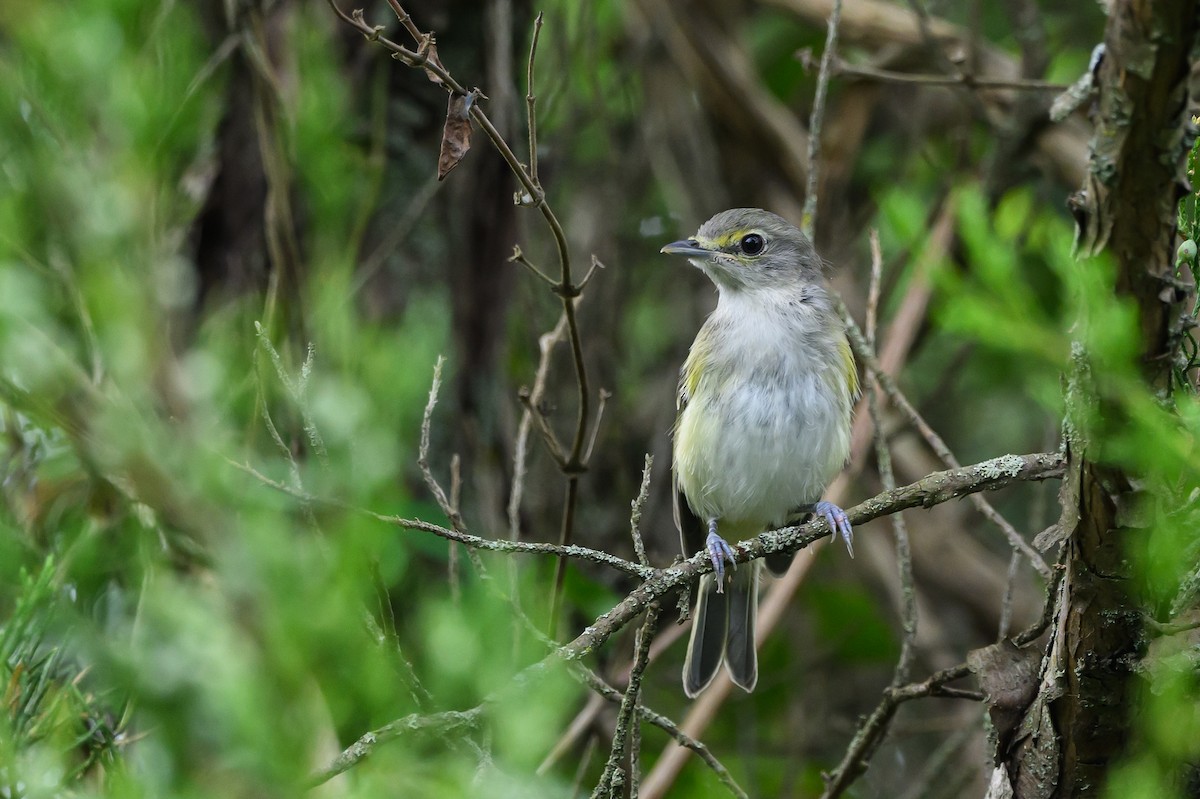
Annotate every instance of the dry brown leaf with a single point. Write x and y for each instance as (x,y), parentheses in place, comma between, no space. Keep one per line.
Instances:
(456,134)
(431,57)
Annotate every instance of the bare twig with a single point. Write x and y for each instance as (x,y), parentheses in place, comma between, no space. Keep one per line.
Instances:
(1006,605)
(863,351)
(420,38)
(543,425)
(1159,628)
(531,100)
(587,715)
(532,547)
(672,729)
(948,751)
(472,542)
(423,452)
(518,256)
(841,68)
(604,396)
(872,731)
(873,287)
(533,399)
(452,561)
(387,635)
(565,533)
(614,780)
(362,748)
(875,727)
(883,455)
(589,751)
(264,344)
(587,278)
(809,217)
(635,514)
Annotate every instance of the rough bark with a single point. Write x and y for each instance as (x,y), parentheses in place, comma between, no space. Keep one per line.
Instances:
(1078,723)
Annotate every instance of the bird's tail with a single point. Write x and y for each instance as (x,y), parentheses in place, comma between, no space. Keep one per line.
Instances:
(723,630)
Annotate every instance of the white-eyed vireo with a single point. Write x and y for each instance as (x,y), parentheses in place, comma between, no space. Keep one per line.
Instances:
(765,400)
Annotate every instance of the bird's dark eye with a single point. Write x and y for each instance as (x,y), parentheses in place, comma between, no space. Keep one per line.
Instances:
(753,244)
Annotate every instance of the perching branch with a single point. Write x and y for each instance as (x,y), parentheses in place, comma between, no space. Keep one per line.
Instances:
(933,490)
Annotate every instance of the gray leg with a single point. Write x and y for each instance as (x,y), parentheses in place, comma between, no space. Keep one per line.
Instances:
(839,523)
(718,551)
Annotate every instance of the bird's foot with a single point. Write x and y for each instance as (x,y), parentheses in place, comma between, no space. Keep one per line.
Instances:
(839,522)
(719,551)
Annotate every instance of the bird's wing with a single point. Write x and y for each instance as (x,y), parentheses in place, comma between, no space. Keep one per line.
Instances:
(692,529)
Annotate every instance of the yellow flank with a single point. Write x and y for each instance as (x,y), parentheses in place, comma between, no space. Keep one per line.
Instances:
(693,368)
(851,369)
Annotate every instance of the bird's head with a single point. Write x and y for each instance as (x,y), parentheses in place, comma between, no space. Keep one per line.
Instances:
(748,248)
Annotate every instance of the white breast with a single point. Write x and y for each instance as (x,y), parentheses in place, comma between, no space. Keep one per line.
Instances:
(763,432)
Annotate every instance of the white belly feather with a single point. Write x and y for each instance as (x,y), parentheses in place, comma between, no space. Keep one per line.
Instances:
(766,433)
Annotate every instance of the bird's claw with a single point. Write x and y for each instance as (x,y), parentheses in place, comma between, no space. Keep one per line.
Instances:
(839,523)
(719,551)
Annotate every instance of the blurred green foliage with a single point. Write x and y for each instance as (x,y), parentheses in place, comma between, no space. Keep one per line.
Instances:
(194,631)
(170,625)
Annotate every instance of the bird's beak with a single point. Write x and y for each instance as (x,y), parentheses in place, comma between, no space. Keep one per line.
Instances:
(688,247)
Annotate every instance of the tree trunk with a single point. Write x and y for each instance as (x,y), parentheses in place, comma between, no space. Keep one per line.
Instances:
(1078,722)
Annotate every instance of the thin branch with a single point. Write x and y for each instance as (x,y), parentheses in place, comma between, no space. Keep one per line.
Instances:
(604,397)
(565,534)
(519,257)
(671,728)
(1159,628)
(844,68)
(635,514)
(587,278)
(614,780)
(589,751)
(873,730)
(423,452)
(531,100)
(932,490)
(809,216)
(531,400)
(863,351)
(1035,630)
(543,425)
(387,635)
(408,24)
(361,749)
(472,542)
(908,594)
(452,562)
(530,547)
(310,425)
(1006,606)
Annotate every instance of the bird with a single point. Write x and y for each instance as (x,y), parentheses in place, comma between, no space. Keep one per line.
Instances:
(764,407)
